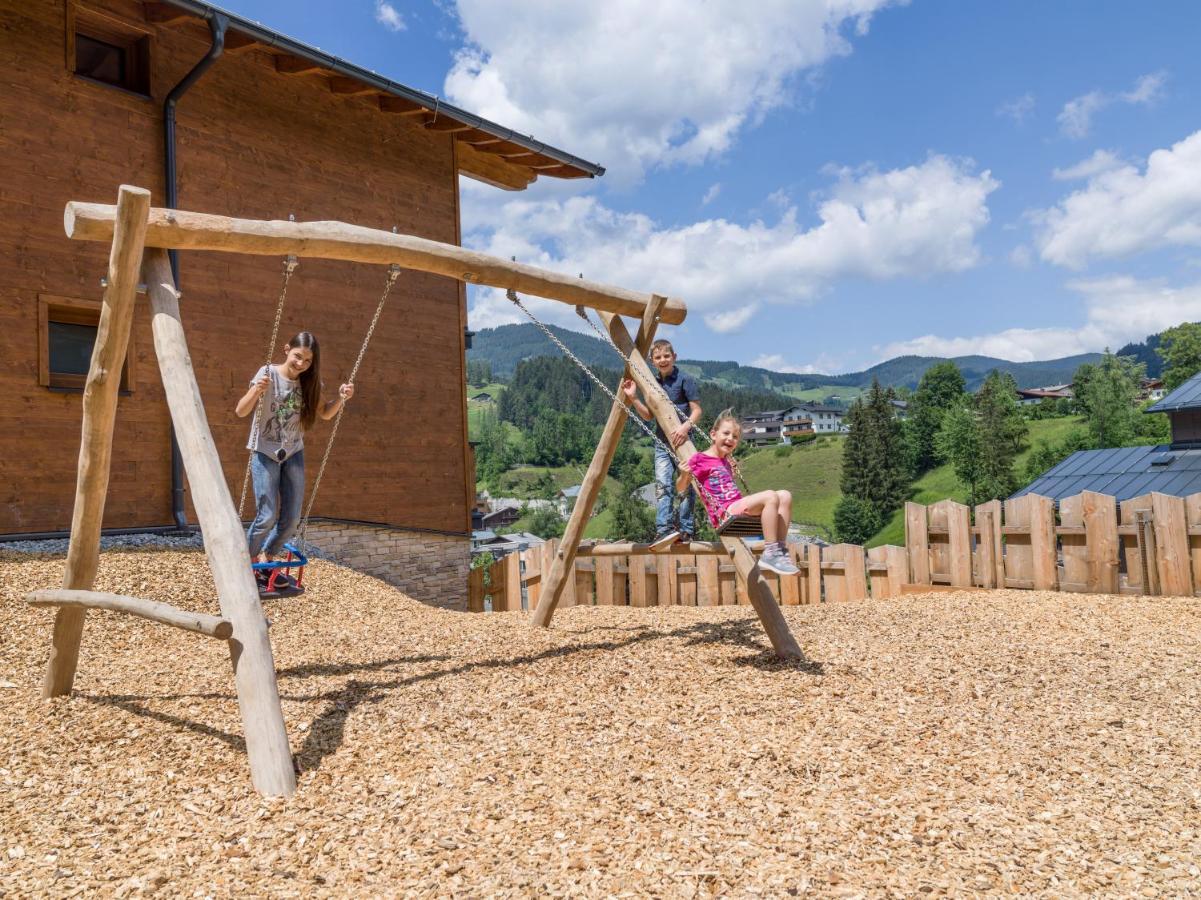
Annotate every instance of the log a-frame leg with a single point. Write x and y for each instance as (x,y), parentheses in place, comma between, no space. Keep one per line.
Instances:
(760,594)
(602,458)
(96,444)
(224,543)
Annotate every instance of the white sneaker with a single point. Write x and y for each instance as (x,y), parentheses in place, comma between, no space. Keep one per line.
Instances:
(777,561)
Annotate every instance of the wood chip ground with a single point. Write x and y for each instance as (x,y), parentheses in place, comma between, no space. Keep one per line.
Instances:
(952,744)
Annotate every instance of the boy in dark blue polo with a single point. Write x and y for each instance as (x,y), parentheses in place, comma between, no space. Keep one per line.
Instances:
(682,391)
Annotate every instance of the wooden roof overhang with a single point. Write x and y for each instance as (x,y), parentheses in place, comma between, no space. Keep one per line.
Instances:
(485,151)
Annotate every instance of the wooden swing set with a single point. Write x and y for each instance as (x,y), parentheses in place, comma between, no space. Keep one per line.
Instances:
(139,238)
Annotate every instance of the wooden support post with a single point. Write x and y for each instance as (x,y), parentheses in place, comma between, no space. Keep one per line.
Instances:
(224,542)
(178,229)
(770,614)
(554,580)
(96,444)
(163,613)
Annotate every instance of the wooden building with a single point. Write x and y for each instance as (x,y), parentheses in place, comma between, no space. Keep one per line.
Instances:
(268,128)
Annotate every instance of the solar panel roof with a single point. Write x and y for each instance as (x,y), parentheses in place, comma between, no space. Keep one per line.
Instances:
(1123,472)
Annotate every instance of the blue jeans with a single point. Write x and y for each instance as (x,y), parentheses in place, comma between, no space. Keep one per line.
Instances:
(665,495)
(279,495)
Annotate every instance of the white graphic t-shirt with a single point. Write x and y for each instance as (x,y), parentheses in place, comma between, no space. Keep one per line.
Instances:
(281,434)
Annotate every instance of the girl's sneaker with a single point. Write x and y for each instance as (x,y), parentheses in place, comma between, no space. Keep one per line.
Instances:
(774,560)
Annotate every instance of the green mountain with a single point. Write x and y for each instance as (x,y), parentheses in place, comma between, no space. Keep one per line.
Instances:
(504,347)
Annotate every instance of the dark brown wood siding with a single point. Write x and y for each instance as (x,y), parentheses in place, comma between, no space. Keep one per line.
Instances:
(251,143)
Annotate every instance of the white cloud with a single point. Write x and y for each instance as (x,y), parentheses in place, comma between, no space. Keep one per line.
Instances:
(633,85)
(711,194)
(909,222)
(1117,310)
(1122,211)
(1020,256)
(386,15)
(1100,161)
(1017,109)
(728,321)
(777,363)
(1076,117)
(1147,89)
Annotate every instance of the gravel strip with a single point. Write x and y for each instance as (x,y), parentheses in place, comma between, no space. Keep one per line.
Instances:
(952,744)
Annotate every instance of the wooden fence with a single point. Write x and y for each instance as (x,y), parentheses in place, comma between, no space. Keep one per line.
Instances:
(606,576)
(1146,545)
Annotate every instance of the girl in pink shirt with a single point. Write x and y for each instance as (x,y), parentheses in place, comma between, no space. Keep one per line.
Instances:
(715,478)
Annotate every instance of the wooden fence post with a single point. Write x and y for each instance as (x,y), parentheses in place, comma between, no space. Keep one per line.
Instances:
(1135,545)
(1192,506)
(708,584)
(917,543)
(475,589)
(1172,547)
(96,443)
(991,563)
(814,578)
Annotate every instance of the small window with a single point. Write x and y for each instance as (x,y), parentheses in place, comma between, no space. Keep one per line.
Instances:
(68,334)
(110,51)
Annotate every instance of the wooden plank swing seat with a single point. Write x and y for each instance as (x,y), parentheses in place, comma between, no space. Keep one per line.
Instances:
(139,236)
(740,527)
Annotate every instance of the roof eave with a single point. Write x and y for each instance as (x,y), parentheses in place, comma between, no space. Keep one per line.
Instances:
(274,40)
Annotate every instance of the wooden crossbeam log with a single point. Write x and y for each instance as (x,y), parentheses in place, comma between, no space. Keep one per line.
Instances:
(183,230)
(153,610)
(624,548)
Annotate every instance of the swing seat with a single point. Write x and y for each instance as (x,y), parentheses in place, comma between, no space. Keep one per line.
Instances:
(273,578)
(740,527)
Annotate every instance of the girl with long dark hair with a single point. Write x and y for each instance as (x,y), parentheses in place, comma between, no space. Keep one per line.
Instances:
(291,402)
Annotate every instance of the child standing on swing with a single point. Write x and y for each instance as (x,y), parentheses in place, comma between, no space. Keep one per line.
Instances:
(683,392)
(714,472)
(291,401)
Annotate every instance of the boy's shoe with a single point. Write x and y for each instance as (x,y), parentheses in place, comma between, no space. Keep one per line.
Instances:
(663,540)
(774,560)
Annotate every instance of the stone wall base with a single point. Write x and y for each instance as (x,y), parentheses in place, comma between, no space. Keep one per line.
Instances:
(428,567)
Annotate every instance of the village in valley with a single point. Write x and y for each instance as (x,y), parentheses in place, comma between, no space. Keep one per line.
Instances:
(607,450)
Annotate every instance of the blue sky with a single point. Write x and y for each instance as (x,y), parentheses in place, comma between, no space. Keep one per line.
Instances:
(828,183)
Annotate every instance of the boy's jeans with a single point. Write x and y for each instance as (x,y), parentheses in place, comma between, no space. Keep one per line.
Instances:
(665,493)
(278,494)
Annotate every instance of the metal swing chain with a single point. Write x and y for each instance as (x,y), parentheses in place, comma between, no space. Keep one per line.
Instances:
(393,273)
(630,414)
(290,264)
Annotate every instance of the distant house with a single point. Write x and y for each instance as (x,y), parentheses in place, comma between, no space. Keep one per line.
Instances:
(1030,396)
(900,408)
(567,498)
(1151,389)
(488,541)
(1126,472)
(646,494)
(826,419)
(502,512)
(762,428)
(483,397)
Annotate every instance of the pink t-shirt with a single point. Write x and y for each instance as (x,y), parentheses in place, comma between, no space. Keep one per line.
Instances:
(716,478)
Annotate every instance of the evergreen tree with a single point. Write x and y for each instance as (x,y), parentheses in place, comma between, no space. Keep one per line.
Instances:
(1003,433)
(940,389)
(874,464)
(1180,348)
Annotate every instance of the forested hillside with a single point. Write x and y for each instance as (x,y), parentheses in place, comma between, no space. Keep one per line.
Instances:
(504,347)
